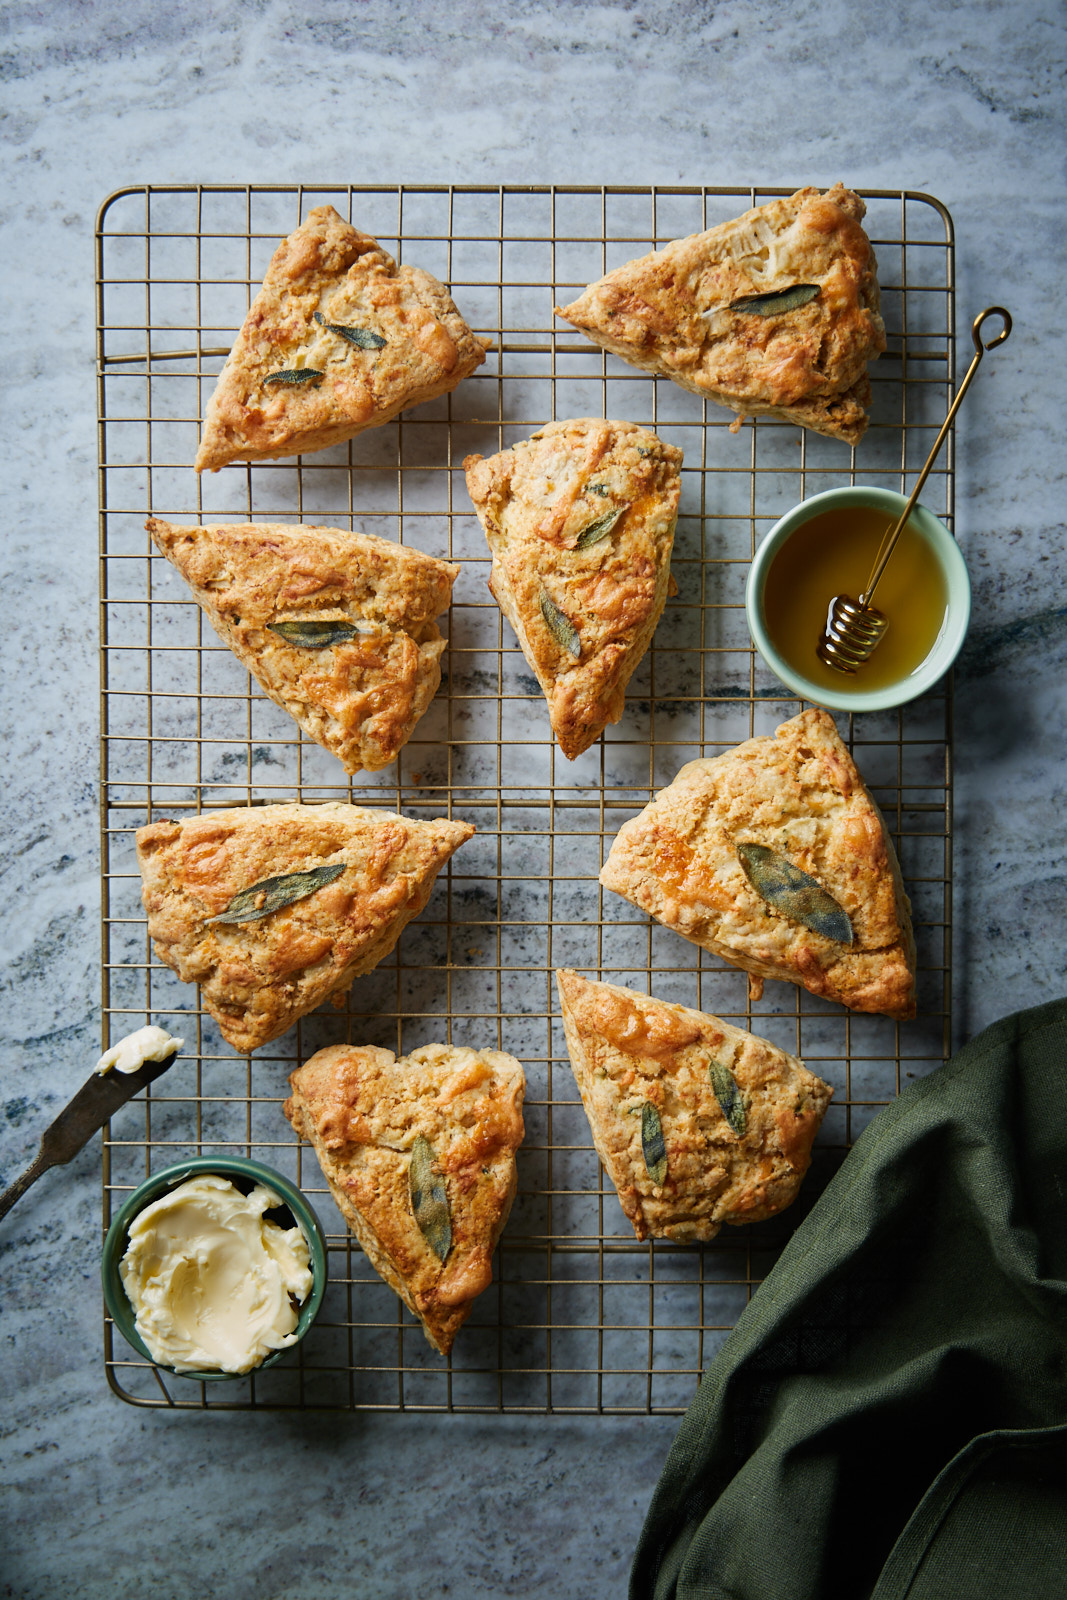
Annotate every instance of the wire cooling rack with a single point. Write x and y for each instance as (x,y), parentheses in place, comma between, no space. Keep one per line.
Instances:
(580,1317)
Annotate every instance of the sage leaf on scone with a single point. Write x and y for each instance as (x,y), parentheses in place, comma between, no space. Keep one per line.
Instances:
(771,305)
(729,1096)
(652,1144)
(362,338)
(429,1199)
(793,893)
(294,377)
(273,894)
(312,635)
(599,529)
(560,626)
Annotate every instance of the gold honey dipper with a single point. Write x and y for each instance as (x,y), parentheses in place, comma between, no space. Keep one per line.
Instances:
(854,627)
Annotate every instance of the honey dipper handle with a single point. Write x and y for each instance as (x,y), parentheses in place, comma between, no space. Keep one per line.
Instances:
(886,548)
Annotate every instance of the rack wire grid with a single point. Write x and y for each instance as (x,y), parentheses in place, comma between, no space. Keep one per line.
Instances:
(580,1317)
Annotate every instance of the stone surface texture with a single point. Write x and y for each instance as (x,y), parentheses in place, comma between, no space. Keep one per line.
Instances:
(964,102)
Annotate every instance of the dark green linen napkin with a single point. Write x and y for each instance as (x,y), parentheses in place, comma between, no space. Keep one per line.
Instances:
(889,1417)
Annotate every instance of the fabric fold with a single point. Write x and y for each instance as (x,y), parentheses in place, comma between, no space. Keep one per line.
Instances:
(903,1370)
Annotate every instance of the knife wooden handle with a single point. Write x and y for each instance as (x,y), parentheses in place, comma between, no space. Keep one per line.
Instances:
(20,1185)
(95,1102)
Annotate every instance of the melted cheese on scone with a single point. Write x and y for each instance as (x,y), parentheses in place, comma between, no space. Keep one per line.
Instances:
(360,696)
(364,1112)
(681,312)
(580,520)
(738,1162)
(293,382)
(364,875)
(800,796)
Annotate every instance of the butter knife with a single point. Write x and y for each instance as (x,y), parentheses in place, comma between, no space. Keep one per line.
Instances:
(94,1103)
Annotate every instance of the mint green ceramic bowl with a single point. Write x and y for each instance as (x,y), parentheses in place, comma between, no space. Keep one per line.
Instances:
(851,696)
(245,1175)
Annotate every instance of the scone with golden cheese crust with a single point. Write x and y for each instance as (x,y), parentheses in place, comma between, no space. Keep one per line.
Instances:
(338,628)
(696,1123)
(775,858)
(338,339)
(776,313)
(272,909)
(580,520)
(419,1154)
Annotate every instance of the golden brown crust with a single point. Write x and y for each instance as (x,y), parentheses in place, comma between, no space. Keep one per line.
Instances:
(534,502)
(801,795)
(362,1109)
(673,312)
(628,1050)
(360,698)
(257,978)
(329,267)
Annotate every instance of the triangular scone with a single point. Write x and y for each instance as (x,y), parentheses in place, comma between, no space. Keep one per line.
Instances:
(333,303)
(580,520)
(364,1111)
(696,1123)
(792,801)
(681,311)
(359,693)
(352,879)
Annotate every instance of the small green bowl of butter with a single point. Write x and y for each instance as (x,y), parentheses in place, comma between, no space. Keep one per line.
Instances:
(230,1260)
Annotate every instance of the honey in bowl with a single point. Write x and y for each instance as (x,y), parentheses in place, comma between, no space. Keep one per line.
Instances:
(833,554)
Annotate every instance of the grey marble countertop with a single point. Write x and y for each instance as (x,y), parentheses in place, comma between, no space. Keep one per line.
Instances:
(963,102)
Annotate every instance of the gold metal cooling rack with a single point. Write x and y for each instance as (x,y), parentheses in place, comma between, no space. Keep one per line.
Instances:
(580,1317)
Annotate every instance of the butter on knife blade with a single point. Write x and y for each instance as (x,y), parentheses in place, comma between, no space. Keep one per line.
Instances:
(131,1053)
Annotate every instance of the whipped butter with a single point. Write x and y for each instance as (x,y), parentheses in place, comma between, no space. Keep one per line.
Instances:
(131,1053)
(213,1284)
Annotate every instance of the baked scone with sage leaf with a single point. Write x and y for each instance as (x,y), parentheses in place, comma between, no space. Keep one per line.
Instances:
(776,313)
(775,858)
(339,339)
(273,909)
(338,628)
(419,1154)
(696,1122)
(580,521)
